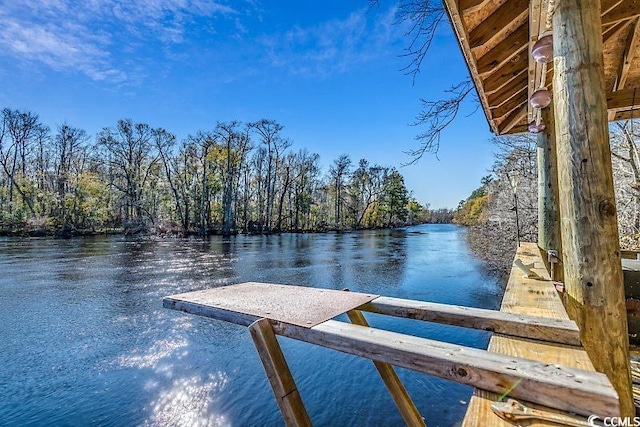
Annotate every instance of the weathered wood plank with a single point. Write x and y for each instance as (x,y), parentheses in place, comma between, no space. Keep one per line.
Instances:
(510,13)
(625,10)
(453,12)
(568,389)
(513,120)
(467,6)
(626,99)
(533,327)
(590,245)
(628,55)
(282,383)
(506,73)
(518,100)
(515,44)
(530,297)
(510,90)
(399,394)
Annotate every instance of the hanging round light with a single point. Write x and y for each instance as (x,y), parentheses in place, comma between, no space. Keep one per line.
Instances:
(542,50)
(537,127)
(540,98)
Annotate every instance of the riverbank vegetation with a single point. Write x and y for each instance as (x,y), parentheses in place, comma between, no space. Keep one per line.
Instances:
(234,178)
(504,209)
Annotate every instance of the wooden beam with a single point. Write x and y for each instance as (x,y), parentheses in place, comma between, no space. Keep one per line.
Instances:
(513,120)
(282,383)
(614,31)
(399,394)
(625,10)
(514,103)
(531,327)
(504,51)
(467,6)
(568,389)
(590,245)
(451,7)
(509,91)
(628,55)
(548,194)
(608,5)
(510,13)
(506,73)
(626,99)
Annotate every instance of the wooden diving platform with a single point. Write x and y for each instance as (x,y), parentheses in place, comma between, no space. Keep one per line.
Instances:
(534,355)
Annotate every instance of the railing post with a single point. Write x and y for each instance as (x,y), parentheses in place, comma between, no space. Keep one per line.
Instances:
(282,383)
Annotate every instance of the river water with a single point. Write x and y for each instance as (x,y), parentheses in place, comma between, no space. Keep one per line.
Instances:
(85,340)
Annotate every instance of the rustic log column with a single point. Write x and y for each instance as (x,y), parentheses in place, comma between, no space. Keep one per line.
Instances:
(591,251)
(548,203)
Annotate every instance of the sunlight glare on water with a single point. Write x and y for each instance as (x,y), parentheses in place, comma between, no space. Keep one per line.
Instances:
(87,342)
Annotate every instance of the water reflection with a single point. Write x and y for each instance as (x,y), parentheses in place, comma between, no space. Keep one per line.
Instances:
(187,402)
(86,340)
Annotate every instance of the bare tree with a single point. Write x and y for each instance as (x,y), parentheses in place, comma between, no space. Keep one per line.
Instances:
(625,136)
(423,19)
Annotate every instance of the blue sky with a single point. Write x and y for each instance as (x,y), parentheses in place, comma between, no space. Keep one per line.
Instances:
(329,71)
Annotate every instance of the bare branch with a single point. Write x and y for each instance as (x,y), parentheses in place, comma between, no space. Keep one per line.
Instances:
(437,115)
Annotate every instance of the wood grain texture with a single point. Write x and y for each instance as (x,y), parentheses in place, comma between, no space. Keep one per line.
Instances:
(530,297)
(591,252)
(526,326)
(568,389)
(399,394)
(548,192)
(490,34)
(282,383)
(510,14)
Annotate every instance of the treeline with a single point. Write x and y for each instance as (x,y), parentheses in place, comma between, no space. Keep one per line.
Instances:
(236,178)
(504,208)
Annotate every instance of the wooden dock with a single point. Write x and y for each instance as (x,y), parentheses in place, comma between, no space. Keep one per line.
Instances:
(533,298)
(534,355)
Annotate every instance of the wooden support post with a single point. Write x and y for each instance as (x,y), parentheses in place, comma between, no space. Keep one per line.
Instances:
(548,197)
(282,383)
(400,396)
(591,252)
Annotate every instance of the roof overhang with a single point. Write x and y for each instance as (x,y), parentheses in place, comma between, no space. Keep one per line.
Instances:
(496,37)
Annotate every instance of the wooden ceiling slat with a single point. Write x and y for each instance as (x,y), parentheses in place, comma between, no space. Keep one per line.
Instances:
(504,51)
(496,35)
(626,99)
(466,6)
(451,7)
(513,120)
(615,30)
(505,74)
(625,10)
(627,56)
(607,5)
(510,12)
(516,101)
(509,90)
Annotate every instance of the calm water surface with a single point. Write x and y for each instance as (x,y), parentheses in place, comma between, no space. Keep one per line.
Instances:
(85,340)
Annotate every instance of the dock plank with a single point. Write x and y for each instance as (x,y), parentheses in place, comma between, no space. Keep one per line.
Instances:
(535,298)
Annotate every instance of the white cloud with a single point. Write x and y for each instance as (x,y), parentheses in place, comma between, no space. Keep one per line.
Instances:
(80,37)
(333,46)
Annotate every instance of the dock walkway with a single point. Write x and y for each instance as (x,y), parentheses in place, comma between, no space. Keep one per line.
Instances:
(532,297)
